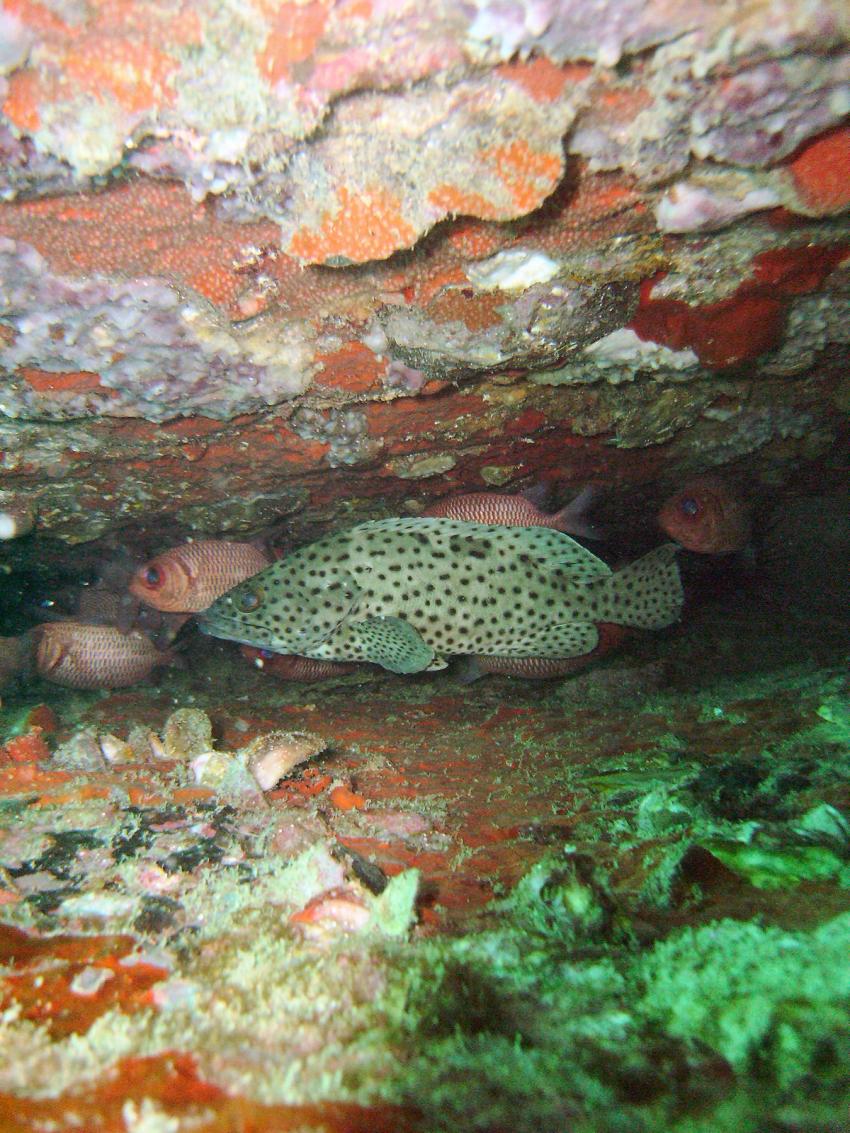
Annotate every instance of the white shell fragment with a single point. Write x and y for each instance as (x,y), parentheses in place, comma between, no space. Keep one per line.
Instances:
(270,757)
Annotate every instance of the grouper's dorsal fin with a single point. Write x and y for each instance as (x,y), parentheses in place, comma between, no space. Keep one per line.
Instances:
(392,643)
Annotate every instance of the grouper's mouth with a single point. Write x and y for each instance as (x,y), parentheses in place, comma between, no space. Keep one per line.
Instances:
(238,629)
(235,629)
(233,622)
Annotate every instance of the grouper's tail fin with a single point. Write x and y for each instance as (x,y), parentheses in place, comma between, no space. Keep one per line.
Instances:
(646,594)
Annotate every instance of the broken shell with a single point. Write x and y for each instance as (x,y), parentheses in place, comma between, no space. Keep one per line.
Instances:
(90,980)
(115,750)
(187,732)
(272,756)
(337,910)
(80,752)
(210,768)
(145,745)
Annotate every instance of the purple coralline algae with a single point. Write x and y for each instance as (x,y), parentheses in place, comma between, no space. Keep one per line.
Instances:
(160,351)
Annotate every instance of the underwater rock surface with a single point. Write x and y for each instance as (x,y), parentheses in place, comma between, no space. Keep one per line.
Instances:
(270,269)
(273,257)
(620,898)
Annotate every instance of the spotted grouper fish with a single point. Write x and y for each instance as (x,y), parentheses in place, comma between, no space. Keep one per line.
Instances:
(408,594)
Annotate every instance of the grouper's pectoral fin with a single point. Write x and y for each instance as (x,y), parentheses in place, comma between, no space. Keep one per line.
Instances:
(391,642)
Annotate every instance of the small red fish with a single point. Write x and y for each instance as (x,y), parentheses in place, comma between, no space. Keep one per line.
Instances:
(188,578)
(100,606)
(517,511)
(541,668)
(707,516)
(84,656)
(291,667)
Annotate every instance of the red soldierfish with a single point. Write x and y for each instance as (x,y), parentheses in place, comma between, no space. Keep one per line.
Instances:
(517,511)
(541,668)
(707,516)
(188,578)
(98,605)
(86,656)
(291,667)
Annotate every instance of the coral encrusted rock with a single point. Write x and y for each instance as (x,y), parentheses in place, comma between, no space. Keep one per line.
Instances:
(264,258)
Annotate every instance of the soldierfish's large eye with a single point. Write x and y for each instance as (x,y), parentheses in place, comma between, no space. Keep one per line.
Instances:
(153,576)
(689,506)
(249,600)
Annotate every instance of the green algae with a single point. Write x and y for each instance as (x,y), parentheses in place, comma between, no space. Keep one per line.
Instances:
(577,1000)
(777,867)
(540,1019)
(835,712)
(393,911)
(754,995)
(515,1025)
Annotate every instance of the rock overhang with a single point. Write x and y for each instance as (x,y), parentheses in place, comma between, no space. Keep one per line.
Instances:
(325,261)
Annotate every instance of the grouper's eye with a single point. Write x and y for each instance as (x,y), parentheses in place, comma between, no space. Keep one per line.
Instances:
(689,506)
(152,576)
(249,600)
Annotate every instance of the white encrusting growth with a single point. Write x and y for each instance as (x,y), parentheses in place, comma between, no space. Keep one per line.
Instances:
(624,347)
(512,270)
(16,517)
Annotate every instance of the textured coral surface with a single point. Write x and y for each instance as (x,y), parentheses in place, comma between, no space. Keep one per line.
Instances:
(273,267)
(623,895)
(244,246)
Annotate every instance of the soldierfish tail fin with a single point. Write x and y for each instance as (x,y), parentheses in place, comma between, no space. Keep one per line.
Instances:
(646,594)
(171,642)
(538,494)
(466,670)
(172,657)
(572,518)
